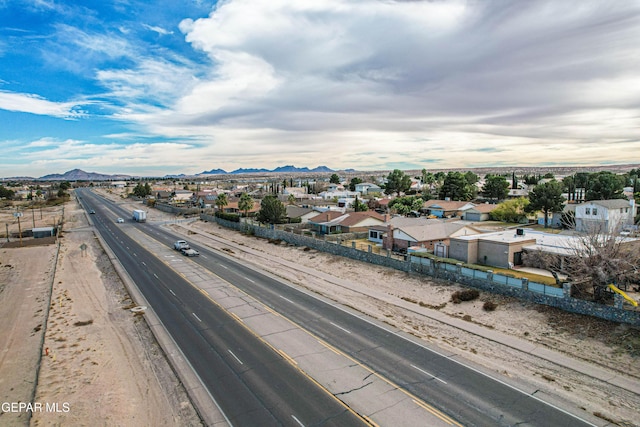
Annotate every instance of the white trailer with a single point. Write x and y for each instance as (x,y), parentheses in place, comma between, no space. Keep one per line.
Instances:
(139,215)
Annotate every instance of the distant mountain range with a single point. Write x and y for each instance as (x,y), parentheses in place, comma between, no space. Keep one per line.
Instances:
(80,175)
(280,169)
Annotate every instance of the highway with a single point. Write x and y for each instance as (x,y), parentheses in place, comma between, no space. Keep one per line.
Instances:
(464,393)
(252,383)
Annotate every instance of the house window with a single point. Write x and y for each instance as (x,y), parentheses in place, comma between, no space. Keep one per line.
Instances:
(587,211)
(373,234)
(595,211)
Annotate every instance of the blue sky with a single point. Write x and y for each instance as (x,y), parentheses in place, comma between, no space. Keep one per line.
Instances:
(155,88)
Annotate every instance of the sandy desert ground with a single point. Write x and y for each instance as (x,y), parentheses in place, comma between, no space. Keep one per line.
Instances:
(107,368)
(98,363)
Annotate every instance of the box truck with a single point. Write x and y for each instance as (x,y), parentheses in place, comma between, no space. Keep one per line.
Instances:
(139,215)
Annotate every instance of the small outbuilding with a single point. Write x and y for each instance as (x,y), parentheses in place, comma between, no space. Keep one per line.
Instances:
(40,232)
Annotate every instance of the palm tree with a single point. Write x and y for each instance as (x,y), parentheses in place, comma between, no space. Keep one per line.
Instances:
(221,201)
(291,199)
(245,204)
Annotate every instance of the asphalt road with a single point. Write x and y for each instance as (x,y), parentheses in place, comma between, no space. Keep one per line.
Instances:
(464,393)
(252,384)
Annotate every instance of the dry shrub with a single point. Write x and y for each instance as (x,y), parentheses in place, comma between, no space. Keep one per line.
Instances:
(489,306)
(466,295)
(83,323)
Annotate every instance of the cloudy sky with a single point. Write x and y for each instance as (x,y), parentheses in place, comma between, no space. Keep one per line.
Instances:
(159,87)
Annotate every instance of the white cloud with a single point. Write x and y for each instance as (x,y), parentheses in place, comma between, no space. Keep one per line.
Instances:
(34,104)
(158,30)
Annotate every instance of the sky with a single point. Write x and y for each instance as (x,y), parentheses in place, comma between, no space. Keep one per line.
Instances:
(151,88)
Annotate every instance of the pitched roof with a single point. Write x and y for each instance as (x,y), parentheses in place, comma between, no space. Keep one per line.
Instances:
(610,204)
(347,219)
(483,208)
(437,231)
(297,211)
(447,205)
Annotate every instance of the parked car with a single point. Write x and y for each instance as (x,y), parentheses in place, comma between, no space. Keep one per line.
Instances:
(180,245)
(120,220)
(190,252)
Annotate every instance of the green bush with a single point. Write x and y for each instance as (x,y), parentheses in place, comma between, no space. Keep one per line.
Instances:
(228,216)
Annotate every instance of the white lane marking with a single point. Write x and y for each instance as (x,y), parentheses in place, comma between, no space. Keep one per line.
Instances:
(427,373)
(286,299)
(340,327)
(297,420)
(224,266)
(156,276)
(194,315)
(204,256)
(135,254)
(235,357)
(173,293)
(246,278)
(143,263)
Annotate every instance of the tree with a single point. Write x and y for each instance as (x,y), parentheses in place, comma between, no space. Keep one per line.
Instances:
(510,210)
(605,186)
(495,187)
(221,201)
(291,199)
(360,206)
(455,187)
(335,179)
(546,197)
(397,182)
(404,205)
(353,183)
(272,211)
(245,203)
(6,193)
(142,190)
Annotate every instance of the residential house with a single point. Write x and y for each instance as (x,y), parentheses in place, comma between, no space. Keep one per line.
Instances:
(330,222)
(205,198)
(555,219)
(294,212)
(182,196)
(500,249)
(446,208)
(367,187)
(232,207)
(434,236)
(330,195)
(604,216)
(163,195)
(479,212)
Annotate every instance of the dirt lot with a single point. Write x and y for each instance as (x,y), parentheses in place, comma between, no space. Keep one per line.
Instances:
(100,364)
(103,362)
